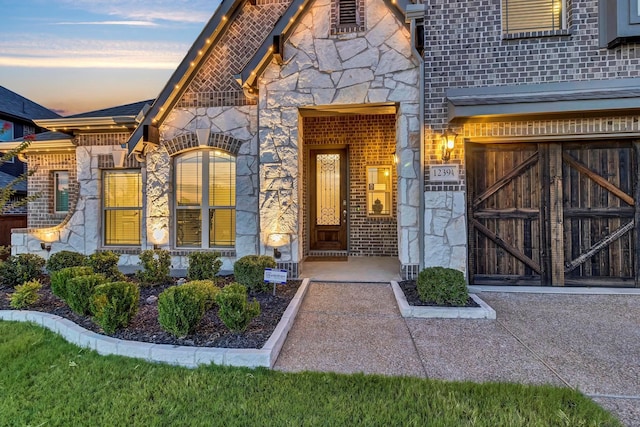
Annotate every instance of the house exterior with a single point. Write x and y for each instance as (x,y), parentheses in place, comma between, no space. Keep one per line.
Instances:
(479,136)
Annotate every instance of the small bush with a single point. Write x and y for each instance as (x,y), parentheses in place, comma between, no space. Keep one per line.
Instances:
(235,311)
(106,263)
(79,291)
(180,309)
(156,265)
(207,290)
(113,305)
(21,268)
(65,259)
(444,286)
(60,278)
(249,271)
(203,265)
(25,295)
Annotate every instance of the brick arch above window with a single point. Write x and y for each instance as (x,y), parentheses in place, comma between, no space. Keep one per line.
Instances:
(188,141)
(347,16)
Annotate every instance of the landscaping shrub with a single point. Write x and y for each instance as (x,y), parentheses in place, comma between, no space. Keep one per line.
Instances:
(443,286)
(25,294)
(156,265)
(79,291)
(113,305)
(65,259)
(249,271)
(206,289)
(106,263)
(60,278)
(203,265)
(235,311)
(180,309)
(21,268)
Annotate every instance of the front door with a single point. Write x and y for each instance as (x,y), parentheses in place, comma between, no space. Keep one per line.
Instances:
(328,199)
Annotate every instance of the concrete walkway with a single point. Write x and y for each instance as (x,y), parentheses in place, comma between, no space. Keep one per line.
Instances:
(588,342)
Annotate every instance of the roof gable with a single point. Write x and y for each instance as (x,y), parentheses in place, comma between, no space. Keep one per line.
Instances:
(20,107)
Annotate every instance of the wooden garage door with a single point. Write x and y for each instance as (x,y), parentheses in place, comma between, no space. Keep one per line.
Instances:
(560,214)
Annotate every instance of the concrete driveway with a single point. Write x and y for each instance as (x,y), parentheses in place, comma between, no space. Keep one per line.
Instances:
(588,342)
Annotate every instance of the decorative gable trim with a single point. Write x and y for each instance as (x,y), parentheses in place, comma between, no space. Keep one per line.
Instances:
(216,140)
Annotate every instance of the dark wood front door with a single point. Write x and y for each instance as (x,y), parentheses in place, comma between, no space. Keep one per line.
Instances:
(328,199)
(553,214)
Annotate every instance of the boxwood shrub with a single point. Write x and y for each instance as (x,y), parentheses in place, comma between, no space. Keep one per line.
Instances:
(156,265)
(235,311)
(106,263)
(180,309)
(113,305)
(79,291)
(203,265)
(65,259)
(443,286)
(60,278)
(21,268)
(249,271)
(25,295)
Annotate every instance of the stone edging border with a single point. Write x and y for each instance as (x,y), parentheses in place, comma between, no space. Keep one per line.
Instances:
(187,356)
(406,310)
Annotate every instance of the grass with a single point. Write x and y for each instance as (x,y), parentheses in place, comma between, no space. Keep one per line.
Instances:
(45,381)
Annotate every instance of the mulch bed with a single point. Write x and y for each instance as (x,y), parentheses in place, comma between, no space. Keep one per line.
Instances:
(144,327)
(411,294)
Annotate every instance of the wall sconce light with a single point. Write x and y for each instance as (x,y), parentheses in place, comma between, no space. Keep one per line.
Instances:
(45,246)
(277,240)
(448,143)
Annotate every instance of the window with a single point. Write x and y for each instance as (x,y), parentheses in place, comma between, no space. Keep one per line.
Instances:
(379,190)
(122,207)
(205,199)
(61,192)
(521,16)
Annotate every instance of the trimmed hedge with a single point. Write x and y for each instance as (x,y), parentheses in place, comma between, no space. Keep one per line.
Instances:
(79,291)
(156,265)
(25,295)
(60,278)
(235,311)
(65,259)
(249,271)
(443,286)
(106,263)
(113,305)
(180,309)
(21,268)
(203,265)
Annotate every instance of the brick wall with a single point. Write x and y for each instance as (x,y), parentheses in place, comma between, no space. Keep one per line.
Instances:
(215,85)
(371,141)
(464,47)
(41,210)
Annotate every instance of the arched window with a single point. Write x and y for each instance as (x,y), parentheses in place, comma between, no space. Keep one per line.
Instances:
(205,199)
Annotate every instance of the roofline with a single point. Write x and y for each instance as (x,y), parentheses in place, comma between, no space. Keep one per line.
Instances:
(83,123)
(263,56)
(186,71)
(38,147)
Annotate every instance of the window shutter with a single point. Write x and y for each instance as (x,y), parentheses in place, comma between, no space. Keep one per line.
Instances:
(348,12)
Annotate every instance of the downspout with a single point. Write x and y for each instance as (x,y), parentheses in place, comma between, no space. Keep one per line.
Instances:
(416,12)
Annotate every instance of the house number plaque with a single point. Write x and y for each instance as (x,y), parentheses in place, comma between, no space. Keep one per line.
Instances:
(444,173)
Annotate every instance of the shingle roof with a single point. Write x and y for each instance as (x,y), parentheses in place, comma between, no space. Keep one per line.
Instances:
(121,110)
(18,106)
(6,179)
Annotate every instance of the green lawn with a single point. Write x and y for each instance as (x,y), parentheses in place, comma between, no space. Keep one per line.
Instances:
(45,381)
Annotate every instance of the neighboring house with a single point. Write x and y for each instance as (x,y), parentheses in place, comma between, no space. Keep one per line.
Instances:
(497,137)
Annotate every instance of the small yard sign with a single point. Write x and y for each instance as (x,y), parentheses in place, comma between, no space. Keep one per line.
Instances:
(275,276)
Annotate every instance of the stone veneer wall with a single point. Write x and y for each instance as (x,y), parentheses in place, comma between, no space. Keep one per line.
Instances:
(320,69)
(464,47)
(371,141)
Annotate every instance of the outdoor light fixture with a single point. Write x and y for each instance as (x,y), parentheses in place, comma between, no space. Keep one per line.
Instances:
(275,241)
(448,142)
(276,253)
(45,246)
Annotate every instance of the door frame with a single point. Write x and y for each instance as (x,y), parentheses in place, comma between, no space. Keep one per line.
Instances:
(344,190)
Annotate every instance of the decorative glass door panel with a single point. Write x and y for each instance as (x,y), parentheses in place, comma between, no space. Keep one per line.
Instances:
(328,199)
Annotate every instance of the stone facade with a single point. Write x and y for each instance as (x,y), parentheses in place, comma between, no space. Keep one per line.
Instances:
(320,69)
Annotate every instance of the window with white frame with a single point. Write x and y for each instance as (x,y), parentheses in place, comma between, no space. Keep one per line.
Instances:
(205,199)
(523,16)
(61,192)
(122,207)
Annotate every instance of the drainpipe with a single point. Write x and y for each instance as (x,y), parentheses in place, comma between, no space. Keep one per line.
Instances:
(416,13)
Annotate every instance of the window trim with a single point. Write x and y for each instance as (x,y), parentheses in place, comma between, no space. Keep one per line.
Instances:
(56,174)
(204,207)
(104,208)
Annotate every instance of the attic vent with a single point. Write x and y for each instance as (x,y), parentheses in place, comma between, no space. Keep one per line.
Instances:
(348,12)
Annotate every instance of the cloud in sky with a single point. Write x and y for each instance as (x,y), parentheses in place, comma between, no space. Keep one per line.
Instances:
(187,11)
(132,23)
(87,53)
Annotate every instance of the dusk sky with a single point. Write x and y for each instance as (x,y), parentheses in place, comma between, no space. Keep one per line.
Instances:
(73,56)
